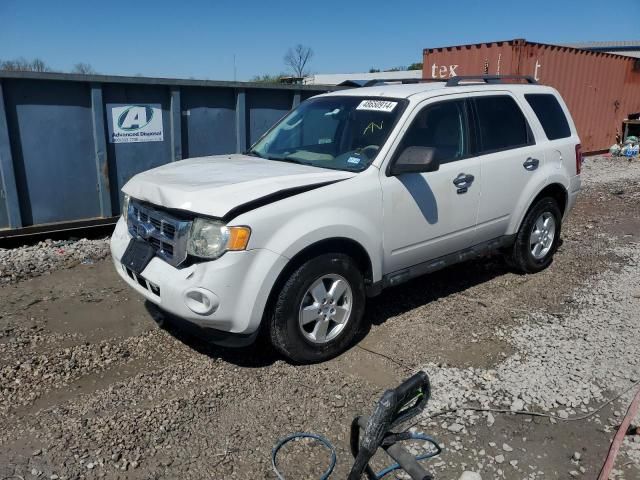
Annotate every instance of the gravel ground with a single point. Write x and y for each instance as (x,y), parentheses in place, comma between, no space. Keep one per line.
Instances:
(30,261)
(91,387)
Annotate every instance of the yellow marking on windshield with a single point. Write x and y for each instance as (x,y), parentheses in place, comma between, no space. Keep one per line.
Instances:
(373,126)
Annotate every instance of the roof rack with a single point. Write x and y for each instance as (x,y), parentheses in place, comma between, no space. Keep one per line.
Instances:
(455,81)
(411,80)
(381,81)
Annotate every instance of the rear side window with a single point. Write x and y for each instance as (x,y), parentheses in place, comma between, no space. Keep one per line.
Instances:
(501,123)
(550,114)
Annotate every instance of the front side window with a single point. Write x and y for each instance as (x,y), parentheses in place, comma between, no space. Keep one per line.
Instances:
(550,113)
(440,127)
(341,133)
(502,125)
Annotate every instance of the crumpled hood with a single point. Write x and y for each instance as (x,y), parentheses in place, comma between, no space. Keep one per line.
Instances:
(216,185)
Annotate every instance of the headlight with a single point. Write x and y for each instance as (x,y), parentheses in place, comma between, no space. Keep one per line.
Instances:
(211,238)
(125,207)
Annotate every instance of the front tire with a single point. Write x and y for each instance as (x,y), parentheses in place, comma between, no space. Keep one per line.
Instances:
(319,309)
(538,238)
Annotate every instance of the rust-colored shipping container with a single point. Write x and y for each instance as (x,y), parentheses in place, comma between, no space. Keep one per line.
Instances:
(601,89)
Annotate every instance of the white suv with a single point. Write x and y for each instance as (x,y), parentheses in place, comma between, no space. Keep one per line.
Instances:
(351,192)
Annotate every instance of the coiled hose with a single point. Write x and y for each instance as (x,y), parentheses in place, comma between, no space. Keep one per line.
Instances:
(329,446)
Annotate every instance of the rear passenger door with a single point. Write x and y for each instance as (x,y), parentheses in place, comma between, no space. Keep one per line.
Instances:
(510,159)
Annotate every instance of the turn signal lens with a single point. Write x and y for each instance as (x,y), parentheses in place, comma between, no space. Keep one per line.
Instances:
(125,207)
(238,238)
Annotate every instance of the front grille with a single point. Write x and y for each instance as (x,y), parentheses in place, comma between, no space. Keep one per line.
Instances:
(164,231)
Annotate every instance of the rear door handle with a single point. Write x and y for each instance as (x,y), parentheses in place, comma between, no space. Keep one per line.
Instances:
(531,163)
(463,181)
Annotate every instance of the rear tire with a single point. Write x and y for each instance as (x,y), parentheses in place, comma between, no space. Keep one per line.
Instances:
(318,310)
(538,237)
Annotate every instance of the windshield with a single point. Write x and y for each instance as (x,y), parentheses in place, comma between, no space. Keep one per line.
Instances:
(342,133)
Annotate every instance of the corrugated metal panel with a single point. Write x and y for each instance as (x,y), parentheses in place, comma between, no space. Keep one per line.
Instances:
(601,89)
(495,58)
(46,118)
(264,109)
(126,159)
(57,164)
(208,121)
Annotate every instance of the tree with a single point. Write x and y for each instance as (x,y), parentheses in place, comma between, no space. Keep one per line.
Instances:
(38,65)
(21,64)
(415,66)
(297,59)
(374,70)
(83,68)
(267,78)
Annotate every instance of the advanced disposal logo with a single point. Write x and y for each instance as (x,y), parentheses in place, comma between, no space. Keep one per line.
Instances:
(135,123)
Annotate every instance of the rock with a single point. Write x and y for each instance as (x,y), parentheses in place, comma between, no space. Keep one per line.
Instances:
(517,405)
(499,458)
(455,428)
(563,414)
(490,419)
(574,473)
(576,456)
(470,476)
(506,448)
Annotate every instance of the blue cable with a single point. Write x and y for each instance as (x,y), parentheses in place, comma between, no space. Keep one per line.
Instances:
(382,473)
(295,436)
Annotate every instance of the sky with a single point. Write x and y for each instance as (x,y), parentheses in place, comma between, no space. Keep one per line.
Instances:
(200,38)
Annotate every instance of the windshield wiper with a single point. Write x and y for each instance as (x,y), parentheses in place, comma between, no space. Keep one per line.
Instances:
(252,153)
(295,160)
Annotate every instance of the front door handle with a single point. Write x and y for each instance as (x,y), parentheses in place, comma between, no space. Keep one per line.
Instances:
(463,180)
(531,163)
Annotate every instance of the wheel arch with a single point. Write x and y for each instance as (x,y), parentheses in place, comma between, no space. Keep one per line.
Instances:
(557,191)
(343,245)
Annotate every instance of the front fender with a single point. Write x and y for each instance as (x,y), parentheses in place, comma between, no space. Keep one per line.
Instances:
(351,209)
(288,240)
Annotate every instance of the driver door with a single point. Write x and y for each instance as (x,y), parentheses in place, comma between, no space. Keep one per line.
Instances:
(428,215)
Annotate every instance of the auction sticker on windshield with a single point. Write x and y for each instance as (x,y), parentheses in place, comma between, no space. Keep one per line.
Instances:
(377,105)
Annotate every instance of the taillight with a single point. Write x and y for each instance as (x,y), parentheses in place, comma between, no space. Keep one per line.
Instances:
(578,158)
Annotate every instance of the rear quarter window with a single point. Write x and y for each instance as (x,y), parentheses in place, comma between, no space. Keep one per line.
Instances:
(501,124)
(550,113)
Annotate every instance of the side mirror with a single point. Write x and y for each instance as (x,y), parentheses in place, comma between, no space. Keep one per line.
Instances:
(416,160)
